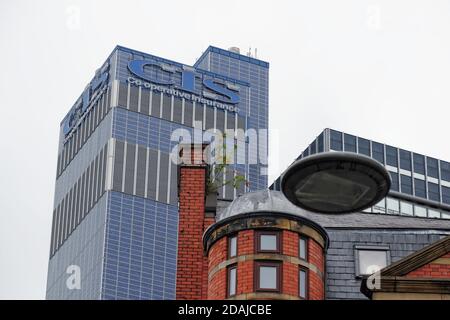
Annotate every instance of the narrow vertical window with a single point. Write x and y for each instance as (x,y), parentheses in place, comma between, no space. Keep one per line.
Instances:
(303,248)
(232,280)
(232,246)
(303,283)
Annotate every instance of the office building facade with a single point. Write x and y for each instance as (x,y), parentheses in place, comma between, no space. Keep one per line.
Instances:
(420,184)
(115,218)
(414,214)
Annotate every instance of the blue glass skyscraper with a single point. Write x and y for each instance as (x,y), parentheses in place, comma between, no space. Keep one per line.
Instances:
(115,218)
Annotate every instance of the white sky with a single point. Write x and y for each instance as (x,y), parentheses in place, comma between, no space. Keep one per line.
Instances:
(377,69)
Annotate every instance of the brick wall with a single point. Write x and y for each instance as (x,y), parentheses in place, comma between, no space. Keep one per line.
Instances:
(191,225)
(217,281)
(316,282)
(439,268)
(218,256)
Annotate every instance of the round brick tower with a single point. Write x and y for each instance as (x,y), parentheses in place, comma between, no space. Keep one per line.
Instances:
(263,247)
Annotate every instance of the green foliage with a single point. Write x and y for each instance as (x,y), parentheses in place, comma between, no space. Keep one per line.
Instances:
(216,180)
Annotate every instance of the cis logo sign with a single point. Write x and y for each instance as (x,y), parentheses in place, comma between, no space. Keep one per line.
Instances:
(80,107)
(225,94)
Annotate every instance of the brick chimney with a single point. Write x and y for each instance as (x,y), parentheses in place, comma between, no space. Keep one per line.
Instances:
(192,263)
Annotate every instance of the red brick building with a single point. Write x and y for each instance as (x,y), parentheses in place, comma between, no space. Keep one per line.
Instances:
(265,251)
(260,246)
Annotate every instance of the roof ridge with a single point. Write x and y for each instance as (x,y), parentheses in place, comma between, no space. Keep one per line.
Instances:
(418,258)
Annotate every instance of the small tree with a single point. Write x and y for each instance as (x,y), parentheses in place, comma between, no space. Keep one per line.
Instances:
(216,180)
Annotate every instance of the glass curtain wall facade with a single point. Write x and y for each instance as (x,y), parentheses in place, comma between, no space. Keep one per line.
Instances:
(420,184)
(115,217)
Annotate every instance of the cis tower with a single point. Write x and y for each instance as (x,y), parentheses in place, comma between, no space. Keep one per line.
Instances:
(115,216)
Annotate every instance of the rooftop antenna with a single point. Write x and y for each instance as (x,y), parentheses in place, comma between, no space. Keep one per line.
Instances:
(256,53)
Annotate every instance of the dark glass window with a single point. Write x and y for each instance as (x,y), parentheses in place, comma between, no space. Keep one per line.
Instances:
(306,152)
(199,114)
(364,146)
(220,120)
(177,110)
(391,156)
(336,140)
(445,171)
(349,143)
(303,248)
(405,160)
(320,143)
(209,121)
(313,147)
(406,184)
(268,241)
(232,280)
(231,120)
(394,178)
(303,283)
(420,190)
(419,163)
(232,246)
(378,152)
(446,195)
(163,176)
(432,167)
(268,276)
(433,191)
(134,99)
(188,112)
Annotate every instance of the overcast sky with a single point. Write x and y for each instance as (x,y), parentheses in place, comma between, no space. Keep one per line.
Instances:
(377,69)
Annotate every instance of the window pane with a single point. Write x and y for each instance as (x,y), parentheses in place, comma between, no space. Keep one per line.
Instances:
(419,186)
(336,140)
(320,143)
(406,208)
(380,207)
(432,167)
(433,213)
(371,261)
(268,277)
(313,147)
(364,146)
(445,171)
(302,284)
(394,178)
(233,246)
(391,156)
(232,282)
(349,143)
(392,206)
(306,152)
(378,152)
(445,194)
(433,191)
(302,248)
(406,184)
(405,160)
(419,163)
(268,242)
(420,211)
